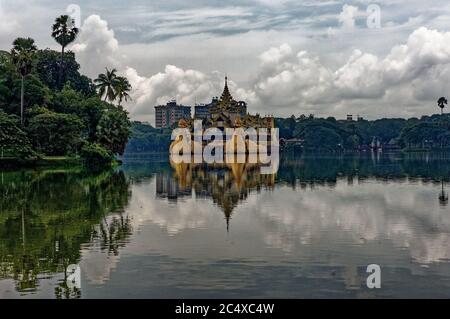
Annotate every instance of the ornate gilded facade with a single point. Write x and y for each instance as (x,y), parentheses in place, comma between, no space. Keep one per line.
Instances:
(226,112)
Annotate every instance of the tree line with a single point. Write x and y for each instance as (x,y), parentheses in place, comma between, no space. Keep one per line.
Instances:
(48,108)
(427,132)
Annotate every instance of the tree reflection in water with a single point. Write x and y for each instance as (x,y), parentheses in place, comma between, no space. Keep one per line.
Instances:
(46,216)
(443,196)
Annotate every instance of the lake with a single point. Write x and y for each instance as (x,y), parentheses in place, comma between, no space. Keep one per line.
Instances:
(150,230)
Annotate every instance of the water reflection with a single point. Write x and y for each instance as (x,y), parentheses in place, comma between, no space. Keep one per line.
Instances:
(443,196)
(47,216)
(155,230)
(226,185)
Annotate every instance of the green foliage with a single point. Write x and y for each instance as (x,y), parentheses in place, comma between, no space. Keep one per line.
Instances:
(5,57)
(59,119)
(10,89)
(385,130)
(322,138)
(107,85)
(425,134)
(64,31)
(59,208)
(91,111)
(352,142)
(55,134)
(22,55)
(47,69)
(145,138)
(35,92)
(67,101)
(123,89)
(13,141)
(96,156)
(322,134)
(356,134)
(113,130)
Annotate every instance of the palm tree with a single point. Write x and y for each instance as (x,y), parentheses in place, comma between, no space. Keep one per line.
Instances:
(22,57)
(106,84)
(64,32)
(442,102)
(123,87)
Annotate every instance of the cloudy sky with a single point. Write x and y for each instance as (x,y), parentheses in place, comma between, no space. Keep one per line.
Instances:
(284,57)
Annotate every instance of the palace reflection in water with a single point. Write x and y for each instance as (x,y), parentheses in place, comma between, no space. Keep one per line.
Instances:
(226,184)
(156,230)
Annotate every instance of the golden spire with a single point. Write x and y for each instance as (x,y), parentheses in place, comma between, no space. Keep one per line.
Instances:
(226,97)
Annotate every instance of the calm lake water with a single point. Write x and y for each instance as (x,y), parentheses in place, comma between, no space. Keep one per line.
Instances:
(148,230)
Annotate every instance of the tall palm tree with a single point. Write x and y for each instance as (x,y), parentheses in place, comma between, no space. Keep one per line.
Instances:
(123,88)
(22,57)
(106,84)
(442,102)
(64,32)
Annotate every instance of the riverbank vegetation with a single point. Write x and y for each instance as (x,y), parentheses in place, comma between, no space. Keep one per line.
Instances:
(425,133)
(49,109)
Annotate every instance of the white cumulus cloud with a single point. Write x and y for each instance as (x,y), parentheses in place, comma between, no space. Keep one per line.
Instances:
(97,47)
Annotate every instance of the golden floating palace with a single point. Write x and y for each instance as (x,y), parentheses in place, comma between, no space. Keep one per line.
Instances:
(226,112)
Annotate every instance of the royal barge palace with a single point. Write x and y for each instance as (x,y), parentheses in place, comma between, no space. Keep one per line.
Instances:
(226,112)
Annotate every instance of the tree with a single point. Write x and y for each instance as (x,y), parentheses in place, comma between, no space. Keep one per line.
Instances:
(322,138)
(113,130)
(55,134)
(4,90)
(64,32)
(67,101)
(95,156)
(145,138)
(424,135)
(22,57)
(123,87)
(13,141)
(442,102)
(48,67)
(107,84)
(5,57)
(92,110)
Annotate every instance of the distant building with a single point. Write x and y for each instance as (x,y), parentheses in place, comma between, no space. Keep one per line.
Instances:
(171,113)
(350,118)
(203,111)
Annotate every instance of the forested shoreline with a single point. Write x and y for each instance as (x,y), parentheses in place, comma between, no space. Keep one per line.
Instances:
(49,109)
